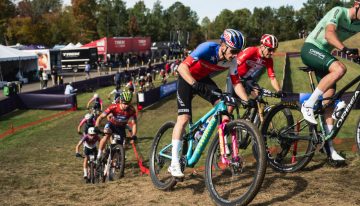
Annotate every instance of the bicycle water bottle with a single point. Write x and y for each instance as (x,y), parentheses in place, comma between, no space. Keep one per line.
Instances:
(340,106)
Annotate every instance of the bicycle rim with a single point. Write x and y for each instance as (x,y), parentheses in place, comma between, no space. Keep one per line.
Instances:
(117,162)
(239,182)
(159,164)
(357,140)
(288,138)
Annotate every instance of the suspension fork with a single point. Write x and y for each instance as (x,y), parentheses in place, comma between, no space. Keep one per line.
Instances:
(222,142)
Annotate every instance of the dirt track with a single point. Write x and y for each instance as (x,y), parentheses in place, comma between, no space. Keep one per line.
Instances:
(319,184)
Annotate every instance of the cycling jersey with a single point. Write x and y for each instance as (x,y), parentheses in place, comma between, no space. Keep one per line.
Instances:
(250,63)
(130,86)
(90,142)
(120,117)
(97,102)
(345,28)
(204,60)
(88,123)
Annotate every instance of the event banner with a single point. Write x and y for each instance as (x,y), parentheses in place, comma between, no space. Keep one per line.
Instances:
(167,89)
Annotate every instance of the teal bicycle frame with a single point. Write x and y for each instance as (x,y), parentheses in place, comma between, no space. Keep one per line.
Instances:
(193,155)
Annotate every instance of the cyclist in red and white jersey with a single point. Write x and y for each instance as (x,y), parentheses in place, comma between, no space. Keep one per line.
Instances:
(251,61)
(194,71)
(121,113)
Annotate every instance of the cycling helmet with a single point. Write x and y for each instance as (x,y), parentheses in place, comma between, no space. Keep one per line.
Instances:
(107,130)
(91,130)
(96,95)
(126,97)
(270,41)
(148,74)
(233,39)
(88,116)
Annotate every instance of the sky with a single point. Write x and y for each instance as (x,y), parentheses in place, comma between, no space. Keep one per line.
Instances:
(205,8)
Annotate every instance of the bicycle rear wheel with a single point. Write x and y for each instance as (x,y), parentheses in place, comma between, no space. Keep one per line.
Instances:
(118,162)
(357,140)
(160,158)
(92,172)
(237,182)
(288,138)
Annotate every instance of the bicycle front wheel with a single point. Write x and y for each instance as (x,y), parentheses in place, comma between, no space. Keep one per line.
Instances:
(160,158)
(357,140)
(118,162)
(92,172)
(238,181)
(288,138)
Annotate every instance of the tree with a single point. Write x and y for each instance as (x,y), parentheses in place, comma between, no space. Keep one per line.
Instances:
(84,12)
(137,21)
(7,9)
(112,18)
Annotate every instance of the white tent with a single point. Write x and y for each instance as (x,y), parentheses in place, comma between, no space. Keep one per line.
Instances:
(10,54)
(20,58)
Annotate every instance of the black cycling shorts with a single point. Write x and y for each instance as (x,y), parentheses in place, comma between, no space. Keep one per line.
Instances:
(120,130)
(89,151)
(185,94)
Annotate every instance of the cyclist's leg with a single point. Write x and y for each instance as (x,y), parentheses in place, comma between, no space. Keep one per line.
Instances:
(184,96)
(103,140)
(231,91)
(324,63)
(86,154)
(329,148)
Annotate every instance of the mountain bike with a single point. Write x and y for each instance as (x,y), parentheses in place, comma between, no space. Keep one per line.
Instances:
(291,141)
(93,175)
(235,164)
(113,163)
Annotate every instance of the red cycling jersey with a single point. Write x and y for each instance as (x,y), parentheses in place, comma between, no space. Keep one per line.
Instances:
(120,117)
(250,64)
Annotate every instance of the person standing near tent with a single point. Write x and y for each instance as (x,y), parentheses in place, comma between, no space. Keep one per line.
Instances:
(45,79)
(40,75)
(54,75)
(87,70)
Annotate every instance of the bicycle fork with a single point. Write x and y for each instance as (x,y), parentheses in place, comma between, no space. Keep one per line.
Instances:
(223,143)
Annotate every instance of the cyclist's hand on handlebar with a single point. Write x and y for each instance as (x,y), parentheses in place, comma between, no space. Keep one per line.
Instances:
(78,155)
(97,130)
(251,103)
(280,94)
(350,51)
(133,139)
(80,133)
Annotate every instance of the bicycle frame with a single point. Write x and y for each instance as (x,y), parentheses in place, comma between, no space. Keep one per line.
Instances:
(193,155)
(347,110)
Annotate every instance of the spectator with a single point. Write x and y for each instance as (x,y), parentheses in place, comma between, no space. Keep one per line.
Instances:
(69,89)
(40,75)
(87,70)
(54,75)
(117,79)
(45,79)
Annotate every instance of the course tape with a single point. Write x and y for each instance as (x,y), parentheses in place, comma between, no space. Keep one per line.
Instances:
(12,130)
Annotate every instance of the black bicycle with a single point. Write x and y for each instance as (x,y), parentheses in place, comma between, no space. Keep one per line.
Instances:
(291,141)
(93,174)
(113,164)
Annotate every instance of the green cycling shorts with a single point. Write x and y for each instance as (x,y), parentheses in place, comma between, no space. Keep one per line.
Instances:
(317,59)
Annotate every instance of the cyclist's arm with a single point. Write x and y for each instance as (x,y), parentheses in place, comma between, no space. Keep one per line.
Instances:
(184,72)
(134,127)
(78,146)
(332,38)
(81,124)
(275,84)
(89,102)
(240,91)
(98,120)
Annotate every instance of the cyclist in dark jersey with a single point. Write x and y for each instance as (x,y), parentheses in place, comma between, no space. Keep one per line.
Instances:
(120,114)
(98,103)
(194,71)
(333,29)
(88,121)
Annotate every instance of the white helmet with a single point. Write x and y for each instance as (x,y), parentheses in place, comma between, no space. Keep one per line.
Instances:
(88,116)
(96,95)
(91,130)
(141,77)
(148,74)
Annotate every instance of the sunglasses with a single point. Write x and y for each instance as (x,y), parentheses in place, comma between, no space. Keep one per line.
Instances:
(270,49)
(235,51)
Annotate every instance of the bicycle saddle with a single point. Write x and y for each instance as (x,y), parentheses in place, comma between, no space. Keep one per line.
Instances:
(306,69)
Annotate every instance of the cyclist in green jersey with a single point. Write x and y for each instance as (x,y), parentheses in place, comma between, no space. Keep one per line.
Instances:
(335,27)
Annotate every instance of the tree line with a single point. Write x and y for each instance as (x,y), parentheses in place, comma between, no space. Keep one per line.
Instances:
(49,22)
